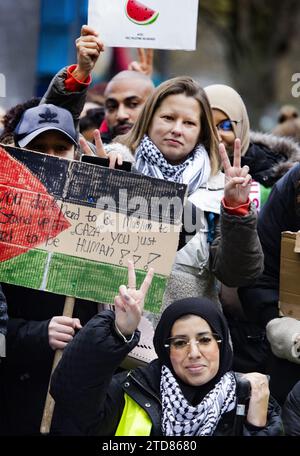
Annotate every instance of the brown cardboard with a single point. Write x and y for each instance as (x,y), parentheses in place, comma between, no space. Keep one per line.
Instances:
(289,297)
(69,227)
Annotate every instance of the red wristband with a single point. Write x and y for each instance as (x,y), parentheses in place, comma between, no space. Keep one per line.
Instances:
(241,210)
(74,85)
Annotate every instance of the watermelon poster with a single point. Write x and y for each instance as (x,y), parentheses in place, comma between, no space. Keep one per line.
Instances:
(69,227)
(157,24)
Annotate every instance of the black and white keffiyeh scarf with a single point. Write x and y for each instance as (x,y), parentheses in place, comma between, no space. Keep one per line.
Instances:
(180,418)
(194,171)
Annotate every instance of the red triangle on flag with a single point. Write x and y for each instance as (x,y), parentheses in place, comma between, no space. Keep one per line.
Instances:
(29,215)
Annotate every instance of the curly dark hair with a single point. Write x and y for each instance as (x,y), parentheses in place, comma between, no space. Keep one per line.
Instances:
(12,118)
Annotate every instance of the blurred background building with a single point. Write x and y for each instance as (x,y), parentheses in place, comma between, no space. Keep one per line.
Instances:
(249,44)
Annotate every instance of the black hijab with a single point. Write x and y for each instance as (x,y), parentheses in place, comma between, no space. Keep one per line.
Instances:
(209,311)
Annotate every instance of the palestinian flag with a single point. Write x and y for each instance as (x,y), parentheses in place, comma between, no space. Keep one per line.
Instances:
(69,227)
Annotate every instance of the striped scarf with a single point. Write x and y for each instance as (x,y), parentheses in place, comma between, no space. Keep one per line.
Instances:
(180,418)
(194,171)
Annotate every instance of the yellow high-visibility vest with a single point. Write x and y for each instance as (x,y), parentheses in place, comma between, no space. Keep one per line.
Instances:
(134,420)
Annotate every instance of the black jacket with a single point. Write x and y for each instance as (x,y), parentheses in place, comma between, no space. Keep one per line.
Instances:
(280,213)
(260,300)
(85,387)
(25,371)
(269,157)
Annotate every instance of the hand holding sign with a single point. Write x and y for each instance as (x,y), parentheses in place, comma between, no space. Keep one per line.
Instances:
(61,330)
(88,47)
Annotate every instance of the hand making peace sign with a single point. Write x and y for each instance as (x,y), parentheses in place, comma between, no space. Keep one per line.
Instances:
(114,157)
(237,179)
(145,63)
(129,303)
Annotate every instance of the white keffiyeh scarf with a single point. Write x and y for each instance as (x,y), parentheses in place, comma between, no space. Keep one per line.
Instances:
(180,418)
(194,171)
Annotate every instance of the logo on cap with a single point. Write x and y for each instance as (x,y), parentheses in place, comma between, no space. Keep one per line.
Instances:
(48,117)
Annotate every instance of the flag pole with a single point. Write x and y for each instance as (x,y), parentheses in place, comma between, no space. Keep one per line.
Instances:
(50,403)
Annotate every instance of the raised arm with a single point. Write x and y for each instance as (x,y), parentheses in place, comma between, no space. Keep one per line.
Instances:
(83,384)
(236,253)
(69,86)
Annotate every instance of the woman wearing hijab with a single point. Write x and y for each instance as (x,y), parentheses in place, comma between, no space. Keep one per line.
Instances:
(188,390)
(268,156)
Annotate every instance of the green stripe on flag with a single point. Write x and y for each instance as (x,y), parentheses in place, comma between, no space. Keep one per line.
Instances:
(72,276)
(97,281)
(27,269)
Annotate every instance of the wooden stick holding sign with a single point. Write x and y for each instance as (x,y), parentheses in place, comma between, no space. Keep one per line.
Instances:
(50,403)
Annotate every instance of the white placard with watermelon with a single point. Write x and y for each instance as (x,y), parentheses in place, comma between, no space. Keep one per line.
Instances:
(157,24)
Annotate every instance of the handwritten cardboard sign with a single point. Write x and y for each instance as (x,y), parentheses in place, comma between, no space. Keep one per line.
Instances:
(157,24)
(69,227)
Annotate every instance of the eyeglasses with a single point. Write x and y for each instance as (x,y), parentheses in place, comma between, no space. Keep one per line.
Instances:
(226,125)
(203,341)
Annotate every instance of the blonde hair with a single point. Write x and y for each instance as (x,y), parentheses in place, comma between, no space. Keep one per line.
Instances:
(179,85)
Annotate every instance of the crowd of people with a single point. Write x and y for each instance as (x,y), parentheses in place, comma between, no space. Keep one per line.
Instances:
(220,330)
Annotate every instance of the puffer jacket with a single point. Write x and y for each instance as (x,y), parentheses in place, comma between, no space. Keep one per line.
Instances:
(57,94)
(280,213)
(84,386)
(269,157)
(260,300)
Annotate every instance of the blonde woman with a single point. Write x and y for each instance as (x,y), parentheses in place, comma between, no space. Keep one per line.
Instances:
(175,139)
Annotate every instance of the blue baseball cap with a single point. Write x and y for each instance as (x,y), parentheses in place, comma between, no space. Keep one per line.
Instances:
(44,117)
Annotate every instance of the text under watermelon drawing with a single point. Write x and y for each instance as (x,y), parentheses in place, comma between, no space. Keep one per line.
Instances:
(69,227)
(157,24)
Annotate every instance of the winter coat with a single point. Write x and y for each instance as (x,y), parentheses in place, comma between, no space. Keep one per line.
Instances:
(195,270)
(269,157)
(197,266)
(280,213)
(26,369)
(260,300)
(57,94)
(85,388)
